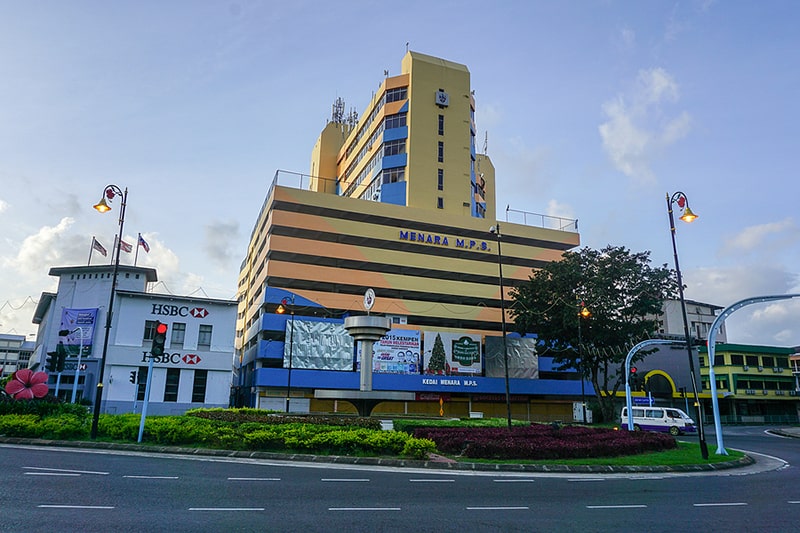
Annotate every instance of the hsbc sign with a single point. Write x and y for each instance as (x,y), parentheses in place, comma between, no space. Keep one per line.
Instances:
(173,358)
(179,310)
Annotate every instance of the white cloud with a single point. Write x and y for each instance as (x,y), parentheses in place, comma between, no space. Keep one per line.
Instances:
(770,236)
(3,205)
(558,209)
(638,129)
(724,286)
(628,37)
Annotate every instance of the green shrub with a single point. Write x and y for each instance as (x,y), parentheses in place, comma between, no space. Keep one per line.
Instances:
(119,427)
(47,406)
(418,448)
(20,425)
(66,426)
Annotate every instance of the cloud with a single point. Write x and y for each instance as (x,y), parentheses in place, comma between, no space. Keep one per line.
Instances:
(220,238)
(628,37)
(45,247)
(763,237)
(638,129)
(3,205)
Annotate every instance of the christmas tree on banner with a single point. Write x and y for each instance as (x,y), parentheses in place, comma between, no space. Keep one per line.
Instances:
(437,363)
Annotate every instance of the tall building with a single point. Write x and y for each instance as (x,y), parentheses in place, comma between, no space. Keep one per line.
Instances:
(400,202)
(15,352)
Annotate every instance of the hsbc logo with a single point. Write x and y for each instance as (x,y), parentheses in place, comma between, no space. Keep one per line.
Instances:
(179,310)
(172,358)
(191,359)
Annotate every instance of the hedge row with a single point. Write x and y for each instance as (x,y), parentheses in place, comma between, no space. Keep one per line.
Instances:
(248,414)
(541,441)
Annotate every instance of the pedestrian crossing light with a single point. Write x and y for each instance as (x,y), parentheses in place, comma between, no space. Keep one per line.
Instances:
(51,361)
(132,379)
(159,339)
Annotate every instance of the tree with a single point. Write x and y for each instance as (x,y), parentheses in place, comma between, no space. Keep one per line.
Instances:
(624,294)
(437,363)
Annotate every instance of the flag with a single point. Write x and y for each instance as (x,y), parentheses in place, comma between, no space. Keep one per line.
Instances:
(99,247)
(124,246)
(143,244)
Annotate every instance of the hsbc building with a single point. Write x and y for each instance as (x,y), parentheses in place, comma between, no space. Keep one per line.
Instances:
(194,370)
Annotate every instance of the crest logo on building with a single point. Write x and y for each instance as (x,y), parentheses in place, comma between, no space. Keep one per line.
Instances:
(191,359)
(199,312)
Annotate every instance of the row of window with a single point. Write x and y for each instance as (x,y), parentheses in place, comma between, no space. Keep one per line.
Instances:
(751,384)
(179,333)
(173,382)
(764,361)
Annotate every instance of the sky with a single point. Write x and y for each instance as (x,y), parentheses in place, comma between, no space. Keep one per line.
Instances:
(591,109)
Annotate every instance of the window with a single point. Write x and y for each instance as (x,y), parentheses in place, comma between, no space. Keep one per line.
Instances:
(149,329)
(393,175)
(199,386)
(441,179)
(752,360)
(441,124)
(782,362)
(719,360)
(178,334)
(394,147)
(395,95)
(768,361)
(171,387)
(204,337)
(737,359)
(395,121)
(441,152)
(142,383)
(440,203)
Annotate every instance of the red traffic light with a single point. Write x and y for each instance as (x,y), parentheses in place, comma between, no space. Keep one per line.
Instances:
(161,328)
(633,370)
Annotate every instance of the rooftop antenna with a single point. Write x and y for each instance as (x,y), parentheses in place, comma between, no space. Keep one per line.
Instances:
(386,72)
(485,142)
(337,114)
(406,47)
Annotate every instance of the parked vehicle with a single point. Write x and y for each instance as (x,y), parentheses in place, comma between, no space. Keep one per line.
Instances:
(664,419)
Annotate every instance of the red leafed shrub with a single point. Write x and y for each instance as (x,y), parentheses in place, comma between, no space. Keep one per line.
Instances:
(543,442)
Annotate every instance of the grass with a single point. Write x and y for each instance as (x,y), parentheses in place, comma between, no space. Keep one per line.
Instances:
(686,454)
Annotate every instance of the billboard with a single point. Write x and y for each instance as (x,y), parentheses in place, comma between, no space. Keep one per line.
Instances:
(452,353)
(397,352)
(80,323)
(523,362)
(317,346)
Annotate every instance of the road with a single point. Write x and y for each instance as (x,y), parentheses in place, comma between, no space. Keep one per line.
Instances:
(54,489)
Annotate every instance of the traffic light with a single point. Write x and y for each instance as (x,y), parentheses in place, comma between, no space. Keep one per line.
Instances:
(132,379)
(51,361)
(61,357)
(159,339)
(633,379)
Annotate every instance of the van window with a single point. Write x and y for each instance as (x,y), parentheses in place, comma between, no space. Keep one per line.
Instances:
(654,413)
(673,413)
(638,413)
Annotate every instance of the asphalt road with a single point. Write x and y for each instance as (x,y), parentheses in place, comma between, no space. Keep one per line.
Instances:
(55,489)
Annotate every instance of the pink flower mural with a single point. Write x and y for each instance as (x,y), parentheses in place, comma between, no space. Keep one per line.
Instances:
(26,384)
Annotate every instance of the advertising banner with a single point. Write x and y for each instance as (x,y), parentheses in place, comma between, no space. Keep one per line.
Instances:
(523,362)
(397,352)
(452,353)
(80,323)
(317,346)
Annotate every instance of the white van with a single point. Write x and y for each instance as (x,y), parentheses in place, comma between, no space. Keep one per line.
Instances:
(664,419)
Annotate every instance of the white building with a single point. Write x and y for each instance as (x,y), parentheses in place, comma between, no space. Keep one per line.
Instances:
(195,370)
(15,352)
(700,318)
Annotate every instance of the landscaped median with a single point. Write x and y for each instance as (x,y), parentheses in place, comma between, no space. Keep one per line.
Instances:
(258,433)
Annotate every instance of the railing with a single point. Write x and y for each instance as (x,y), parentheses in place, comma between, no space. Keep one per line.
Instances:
(542,221)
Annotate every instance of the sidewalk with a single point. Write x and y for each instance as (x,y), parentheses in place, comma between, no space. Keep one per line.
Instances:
(787,432)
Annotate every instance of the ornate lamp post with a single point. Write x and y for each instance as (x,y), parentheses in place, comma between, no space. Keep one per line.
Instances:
(688,216)
(103,206)
(583,313)
(282,309)
(496,231)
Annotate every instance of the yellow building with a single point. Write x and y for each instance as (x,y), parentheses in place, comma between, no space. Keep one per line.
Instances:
(398,202)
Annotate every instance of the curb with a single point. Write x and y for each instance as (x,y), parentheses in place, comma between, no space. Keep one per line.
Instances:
(381,461)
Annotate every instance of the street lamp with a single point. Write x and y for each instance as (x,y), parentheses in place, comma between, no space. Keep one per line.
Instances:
(688,216)
(109,192)
(496,231)
(282,309)
(583,312)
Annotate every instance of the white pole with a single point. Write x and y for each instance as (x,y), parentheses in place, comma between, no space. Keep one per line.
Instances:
(77,367)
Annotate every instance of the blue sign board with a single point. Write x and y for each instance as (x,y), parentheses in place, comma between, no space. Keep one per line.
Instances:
(643,400)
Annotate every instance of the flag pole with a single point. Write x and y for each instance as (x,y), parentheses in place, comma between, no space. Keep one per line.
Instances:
(91,249)
(136,255)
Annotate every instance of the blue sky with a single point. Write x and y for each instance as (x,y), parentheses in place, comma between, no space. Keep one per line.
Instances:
(592,110)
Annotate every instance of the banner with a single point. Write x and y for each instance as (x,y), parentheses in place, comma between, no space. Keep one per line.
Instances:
(523,362)
(452,353)
(397,352)
(80,324)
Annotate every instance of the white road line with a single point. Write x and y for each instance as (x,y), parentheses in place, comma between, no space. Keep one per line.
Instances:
(346,480)
(500,508)
(582,480)
(513,480)
(364,509)
(75,506)
(722,504)
(151,477)
(254,479)
(634,506)
(432,480)
(793,501)
(64,470)
(51,474)
(226,508)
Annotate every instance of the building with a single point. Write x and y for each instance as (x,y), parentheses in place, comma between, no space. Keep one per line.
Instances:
(755,384)
(194,372)
(15,352)
(700,318)
(400,202)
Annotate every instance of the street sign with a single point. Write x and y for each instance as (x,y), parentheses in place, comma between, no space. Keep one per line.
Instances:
(643,400)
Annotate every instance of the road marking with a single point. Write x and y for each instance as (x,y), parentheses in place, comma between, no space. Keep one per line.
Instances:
(151,477)
(75,506)
(254,479)
(64,470)
(499,508)
(343,479)
(793,501)
(513,480)
(364,509)
(432,480)
(226,508)
(51,474)
(635,506)
(583,479)
(722,504)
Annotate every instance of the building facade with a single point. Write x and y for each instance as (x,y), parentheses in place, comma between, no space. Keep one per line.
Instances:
(194,371)
(15,352)
(401,203)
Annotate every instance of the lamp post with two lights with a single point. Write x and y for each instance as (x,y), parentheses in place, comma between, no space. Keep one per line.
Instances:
(496,231)
(281,310)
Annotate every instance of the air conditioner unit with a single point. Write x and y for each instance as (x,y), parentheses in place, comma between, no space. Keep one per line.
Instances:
(761,369)
(745,368)
(777,370)
(765,392)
